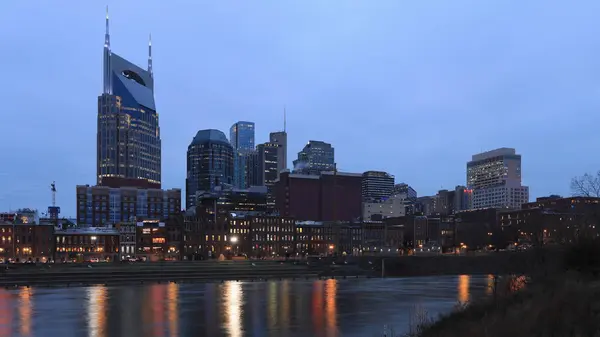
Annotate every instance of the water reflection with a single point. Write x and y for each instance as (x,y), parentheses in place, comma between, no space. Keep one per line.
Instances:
(233,299)
(96,311)
(25,310)
(324,308)
(463,288)
(491,284)
(331,307)
(172,308)
(5,313)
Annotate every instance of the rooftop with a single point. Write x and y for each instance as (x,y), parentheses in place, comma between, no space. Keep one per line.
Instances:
(209,135)
(89,231)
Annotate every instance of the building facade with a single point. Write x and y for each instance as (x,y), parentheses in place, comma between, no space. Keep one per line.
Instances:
(241,137)
(99,206)
(331,196)
(84,244)
(404,189)
(316,157)
(280,138)
(377,185)
(495,178)
(26,242)
(210,163)
(128,137)
(378,209)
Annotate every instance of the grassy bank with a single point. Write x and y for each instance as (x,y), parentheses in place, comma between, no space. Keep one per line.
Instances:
(561,298)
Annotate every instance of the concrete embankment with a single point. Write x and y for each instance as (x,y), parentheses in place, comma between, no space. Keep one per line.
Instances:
(493,263)
(78,274)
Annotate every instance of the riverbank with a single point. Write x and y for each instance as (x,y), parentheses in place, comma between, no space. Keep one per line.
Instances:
(561,298)
(85,274)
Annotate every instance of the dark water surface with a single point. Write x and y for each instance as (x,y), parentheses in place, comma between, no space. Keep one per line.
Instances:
(353,307)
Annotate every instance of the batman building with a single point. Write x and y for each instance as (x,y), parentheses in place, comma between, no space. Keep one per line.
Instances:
(129,145)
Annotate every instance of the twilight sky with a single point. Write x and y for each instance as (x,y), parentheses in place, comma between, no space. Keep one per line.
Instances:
(410,87)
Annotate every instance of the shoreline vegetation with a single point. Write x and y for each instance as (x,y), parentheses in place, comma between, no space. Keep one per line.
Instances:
(559,297)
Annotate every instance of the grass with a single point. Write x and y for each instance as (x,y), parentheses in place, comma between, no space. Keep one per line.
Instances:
(561,298)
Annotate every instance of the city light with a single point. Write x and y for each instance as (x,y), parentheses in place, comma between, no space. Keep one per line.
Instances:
(234,239)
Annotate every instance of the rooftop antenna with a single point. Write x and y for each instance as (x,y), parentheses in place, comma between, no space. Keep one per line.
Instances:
(284,121)
(53,189)
(150,55)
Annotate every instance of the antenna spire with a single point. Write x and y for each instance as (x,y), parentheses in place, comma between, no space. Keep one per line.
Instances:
(150,55)
(107,34)
(106,67)
(284,119)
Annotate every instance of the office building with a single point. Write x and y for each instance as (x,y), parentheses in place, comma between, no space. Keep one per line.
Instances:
(128,138)
(316,157)
(379,209)
(99,206)
(210,159)
(241,137)
(404,189)
(267,160)
(377,185)
(495,178)
(280,138)
(463,198)
(327,197)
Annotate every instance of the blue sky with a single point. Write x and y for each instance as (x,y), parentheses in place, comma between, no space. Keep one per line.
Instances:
(410,87)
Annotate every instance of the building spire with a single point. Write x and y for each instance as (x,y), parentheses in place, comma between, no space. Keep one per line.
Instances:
(106,67)
(284,119)
(107,34)
(150,55)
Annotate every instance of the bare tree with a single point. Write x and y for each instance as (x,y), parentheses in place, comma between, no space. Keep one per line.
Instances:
(586,185)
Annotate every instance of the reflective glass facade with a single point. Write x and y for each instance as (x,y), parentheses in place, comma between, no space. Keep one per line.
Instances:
(241,137)
(210,160)
(316,157)
(128,139)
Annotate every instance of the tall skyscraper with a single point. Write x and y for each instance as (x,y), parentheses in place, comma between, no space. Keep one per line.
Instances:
(280,138)
(495,178)
(209,164)
(315,157)
(269,173)
(241,137)
(128,140)
(377,185)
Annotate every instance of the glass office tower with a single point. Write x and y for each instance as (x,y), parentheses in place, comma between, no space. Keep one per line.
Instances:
(128,139)
(241,137)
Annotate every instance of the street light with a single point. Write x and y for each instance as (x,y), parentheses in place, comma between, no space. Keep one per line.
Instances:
(234,240)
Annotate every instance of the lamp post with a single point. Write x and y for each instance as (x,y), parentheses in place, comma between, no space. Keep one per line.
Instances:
(234,240)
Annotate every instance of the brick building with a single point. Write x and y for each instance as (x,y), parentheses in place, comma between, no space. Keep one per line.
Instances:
(26,242)
(330,196)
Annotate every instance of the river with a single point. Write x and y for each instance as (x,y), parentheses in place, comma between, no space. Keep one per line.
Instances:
(319,308)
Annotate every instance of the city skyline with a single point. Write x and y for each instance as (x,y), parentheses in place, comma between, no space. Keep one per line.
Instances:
(439,82)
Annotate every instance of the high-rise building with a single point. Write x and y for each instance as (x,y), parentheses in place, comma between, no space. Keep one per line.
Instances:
(241,137)
(280,138)
(377,185)
(128,140)
(209,164)
(267,160)
(408,192)
(316,157)
(99,206)
(268,170)
(462,198)
(495,178)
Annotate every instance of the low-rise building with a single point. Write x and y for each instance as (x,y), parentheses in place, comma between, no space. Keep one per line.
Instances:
(26,242)
(378,209)
(127,231)
(84,244)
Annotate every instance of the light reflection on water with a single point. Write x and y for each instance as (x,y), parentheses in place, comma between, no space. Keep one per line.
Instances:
(322,308)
